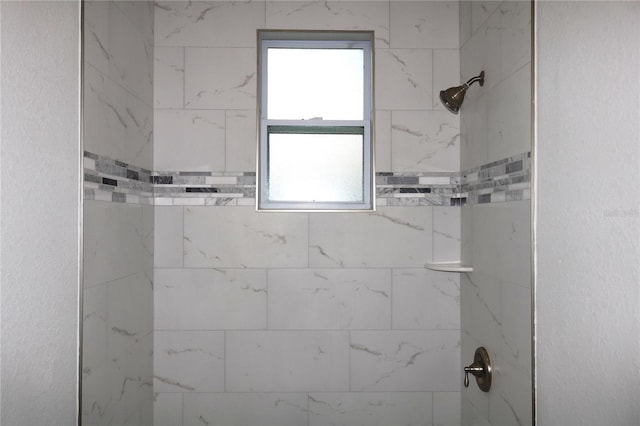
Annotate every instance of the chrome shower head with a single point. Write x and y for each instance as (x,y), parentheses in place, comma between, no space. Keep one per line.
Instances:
(452,97)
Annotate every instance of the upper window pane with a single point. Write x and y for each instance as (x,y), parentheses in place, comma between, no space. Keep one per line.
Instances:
(305,84)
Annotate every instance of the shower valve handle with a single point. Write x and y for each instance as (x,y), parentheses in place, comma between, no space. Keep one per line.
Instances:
(481,369)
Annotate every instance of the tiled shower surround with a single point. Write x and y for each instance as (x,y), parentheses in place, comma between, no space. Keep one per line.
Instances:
(269,318)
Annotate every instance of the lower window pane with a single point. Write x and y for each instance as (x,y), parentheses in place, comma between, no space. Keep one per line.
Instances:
(315,168)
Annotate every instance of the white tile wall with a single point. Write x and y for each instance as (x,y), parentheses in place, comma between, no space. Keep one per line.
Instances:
(287,361)
(420,360)
(372,409)
(210,299)
(268,409)
(391,237)
(298,295)
(118,238)
(302,299)
(192,140)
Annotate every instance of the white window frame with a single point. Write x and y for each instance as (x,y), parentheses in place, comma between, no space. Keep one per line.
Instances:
(316,39)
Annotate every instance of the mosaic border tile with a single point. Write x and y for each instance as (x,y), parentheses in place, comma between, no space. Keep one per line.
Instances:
(106,179)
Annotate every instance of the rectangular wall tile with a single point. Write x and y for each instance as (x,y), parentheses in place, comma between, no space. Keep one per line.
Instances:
(220,78)
(329,299)
(403,79)
(446,408)
(210,299)
(208,23)
(371,409)
(425,141)
(331,15)
(242,237)
(255,409)
(241,140)
(168,74)
(167,409)
(189,140)
(424,24)
(446,234)
(188,361)
(446,73)
(424,299)
(405,361)
(168,236)
(112,232)
(383,141)
(390,237)
(287,361)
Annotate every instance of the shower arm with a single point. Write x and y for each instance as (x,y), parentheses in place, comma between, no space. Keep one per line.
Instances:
(478,78)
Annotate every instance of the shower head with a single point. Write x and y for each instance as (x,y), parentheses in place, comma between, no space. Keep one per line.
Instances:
(452,97)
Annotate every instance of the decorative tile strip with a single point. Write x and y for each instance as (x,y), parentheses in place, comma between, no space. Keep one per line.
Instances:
(112,180)
(508,179)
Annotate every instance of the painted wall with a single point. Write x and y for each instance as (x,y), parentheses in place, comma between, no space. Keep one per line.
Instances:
(40,163)
(302,318)
(588,276)
(496,296)
(118,237)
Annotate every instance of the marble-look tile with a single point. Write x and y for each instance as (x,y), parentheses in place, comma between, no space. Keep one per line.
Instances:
(112,241)
(474,134)
(302,299)
(482,52)
(241,140)
(510,396)
(188,361)
(140,14)
(446,408)
(465,21)
(139,144)
(390,237)
(168,236)
(94,328)
(220,78)
(210,299)
(446,234)
(371,409)
(167,409)
(331,15)
(242,237)
(168,74)
(287,361)
(424,299)
(192,140)
(208,23)
(424,24)
(403,79)
(515,40)
(480,11)
(471,416)
(425,360)
(502,233)
(131,63)
(516,326)
(130,327)
(383,141)
(475,402)
(105,118)
(509,116)
(480,312)
(254,409)
(148,241)
(446,73)
(425,141)
(96,35)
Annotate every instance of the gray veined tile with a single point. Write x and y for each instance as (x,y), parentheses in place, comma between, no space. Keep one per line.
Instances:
(425,360)
(329,299)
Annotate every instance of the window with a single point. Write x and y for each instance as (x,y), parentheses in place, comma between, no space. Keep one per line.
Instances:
(315,121)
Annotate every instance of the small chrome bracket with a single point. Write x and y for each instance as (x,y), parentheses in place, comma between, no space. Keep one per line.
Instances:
(481,369)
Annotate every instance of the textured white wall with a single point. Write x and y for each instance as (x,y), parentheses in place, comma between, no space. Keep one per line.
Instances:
(40,215)
(588,218)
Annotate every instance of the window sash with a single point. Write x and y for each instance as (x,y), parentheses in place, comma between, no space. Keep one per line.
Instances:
(363,127)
